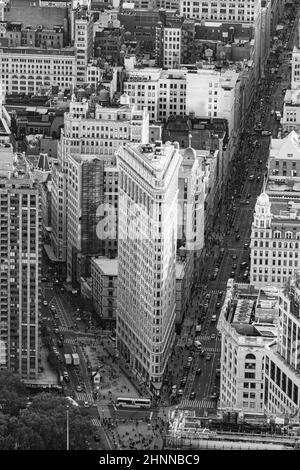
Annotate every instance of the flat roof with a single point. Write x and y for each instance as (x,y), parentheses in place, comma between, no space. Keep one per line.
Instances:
(108,266)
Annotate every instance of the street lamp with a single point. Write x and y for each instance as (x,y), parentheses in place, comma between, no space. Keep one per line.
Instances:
(68,440)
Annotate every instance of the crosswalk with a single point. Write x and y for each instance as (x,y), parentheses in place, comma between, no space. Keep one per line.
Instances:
(185,403)
(63,329)
(204,337)
(212,350)
(71,341)
(96,422)
(84,396)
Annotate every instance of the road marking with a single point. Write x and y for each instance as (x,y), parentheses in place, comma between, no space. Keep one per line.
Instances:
(185,403)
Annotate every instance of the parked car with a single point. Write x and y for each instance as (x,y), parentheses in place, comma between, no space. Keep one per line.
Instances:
(198,371)
(192,395)
(208,357)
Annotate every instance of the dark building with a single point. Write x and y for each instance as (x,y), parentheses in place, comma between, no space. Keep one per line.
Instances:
(205,133)
(144,26)
(107,44)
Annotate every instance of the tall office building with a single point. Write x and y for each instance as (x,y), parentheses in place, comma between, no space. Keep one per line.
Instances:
(83,42)
(147,235)
(20,246)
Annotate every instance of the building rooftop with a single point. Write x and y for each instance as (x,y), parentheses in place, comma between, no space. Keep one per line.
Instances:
(285,209)
(252,311)
(283,187)
(109,267)
(156,156)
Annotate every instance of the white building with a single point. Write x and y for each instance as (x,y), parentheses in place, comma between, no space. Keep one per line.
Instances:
(104,274)
(161,92)
(26,69)
(20,245)
(245,12)
(248,321)
(83,42)
(147,235)
(275,234)
(295,78)
(210,93)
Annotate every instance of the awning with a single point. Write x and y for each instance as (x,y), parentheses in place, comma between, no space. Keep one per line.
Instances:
(50,254)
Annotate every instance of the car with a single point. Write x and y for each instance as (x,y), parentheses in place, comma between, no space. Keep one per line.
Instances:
(198,371)
(45,303)
(234,256)
(251,177)
(248,196)
(86,404)
(56,331)
(205,305)
(96,436)
(244,264)
(207,296)
(237,237)
(234,266)
(165,381)
(213,336)
(218,305)
(44,279)
(56,316)
(192,395)
(66,378)
(246,245)
(266,133)
(236,229)
(208,357)
(201,353)
(190,359)
(214,396)
(79,388)
(232,274)
(180,392)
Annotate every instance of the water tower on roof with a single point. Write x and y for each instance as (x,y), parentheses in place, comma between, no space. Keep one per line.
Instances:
(125,100)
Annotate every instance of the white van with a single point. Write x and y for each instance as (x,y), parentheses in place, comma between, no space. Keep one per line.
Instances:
(214,318)
(197,344)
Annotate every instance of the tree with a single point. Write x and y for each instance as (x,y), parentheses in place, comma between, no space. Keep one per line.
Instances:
(41,425)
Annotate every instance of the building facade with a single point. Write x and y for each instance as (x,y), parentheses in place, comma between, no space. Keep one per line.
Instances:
(248,321)
(147,234)
(20,243)
(26,69)
(282,362)
(104,273)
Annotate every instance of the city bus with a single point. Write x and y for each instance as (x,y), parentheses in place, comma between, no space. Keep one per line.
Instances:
(134,402)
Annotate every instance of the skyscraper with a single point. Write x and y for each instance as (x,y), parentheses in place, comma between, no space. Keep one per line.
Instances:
(147,235)
(20,247)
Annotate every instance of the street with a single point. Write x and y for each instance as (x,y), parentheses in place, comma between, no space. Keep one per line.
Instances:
(192,380)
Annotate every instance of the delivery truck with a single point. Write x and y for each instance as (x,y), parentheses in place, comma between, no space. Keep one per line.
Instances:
(68,359)
(75,358)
